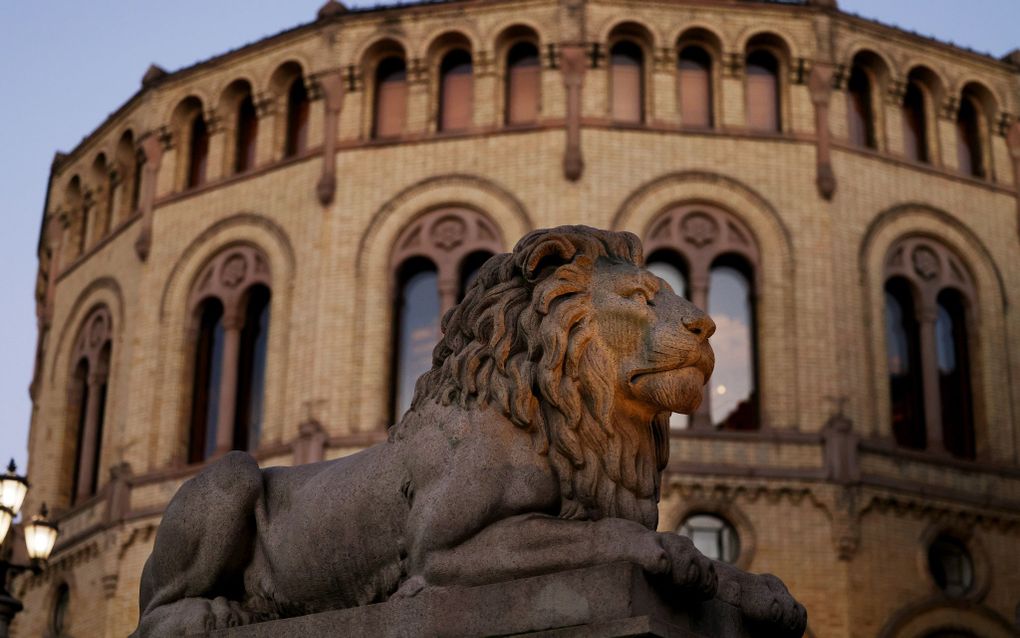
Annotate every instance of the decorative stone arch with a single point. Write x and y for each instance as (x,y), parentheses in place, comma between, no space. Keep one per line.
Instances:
(442,43)
(199,93)
(678,34)
(991,100)
(370,373)
(362,52)
(501,29)
(922,619)
(880,74)
(434,44)
(647,39)
(850,50)
(724,508)
(511,33)
(207,256)
(995,429)
(937,83)
(793,49)
(784,49)
(774,271)
(375,51)
(708,39)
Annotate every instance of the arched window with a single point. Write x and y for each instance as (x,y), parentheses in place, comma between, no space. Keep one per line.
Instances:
(951,566)
(906,389)
(695,70)
(915,123)
(58,617)
(198,151)
(626,61)
(763,105)
(231,312)
(523,82)
(456,99)
(435,260)
(87,401)
(129,166)
(246,135)
(969,151)
(669,266)
(136,181)
(298,107)
(390,97)
(712,255)
(928,296)
(861,125)
(712,536)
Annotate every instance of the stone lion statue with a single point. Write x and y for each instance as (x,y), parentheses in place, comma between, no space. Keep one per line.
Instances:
(534,444)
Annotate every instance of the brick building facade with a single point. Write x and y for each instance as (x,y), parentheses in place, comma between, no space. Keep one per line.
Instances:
(237,245)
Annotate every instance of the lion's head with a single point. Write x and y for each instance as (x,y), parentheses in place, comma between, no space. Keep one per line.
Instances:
(573,340)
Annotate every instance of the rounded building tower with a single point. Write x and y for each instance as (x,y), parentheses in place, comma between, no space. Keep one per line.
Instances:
(254,253)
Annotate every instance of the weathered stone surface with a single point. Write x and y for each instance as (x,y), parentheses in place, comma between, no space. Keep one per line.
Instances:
(611,600)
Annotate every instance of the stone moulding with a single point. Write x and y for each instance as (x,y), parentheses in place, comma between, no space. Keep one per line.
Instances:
(610,600)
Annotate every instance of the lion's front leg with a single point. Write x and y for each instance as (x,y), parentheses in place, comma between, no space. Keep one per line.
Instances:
(532,544)
(763,600)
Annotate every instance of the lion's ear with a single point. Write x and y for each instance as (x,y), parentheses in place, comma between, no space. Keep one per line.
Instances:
(550,252)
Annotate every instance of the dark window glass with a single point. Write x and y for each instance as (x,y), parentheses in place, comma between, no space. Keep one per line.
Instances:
(101,397)
(78,403)
(695,68)
(732,388)
(206,390)
(198,159)
(906,389)
(61,602)
(627,82)
(523,77)
(111,191)
(968,140)
(861,120)
(915,135)
(954,374)
(456,99)
(762,91)
(297,118)
(251,377)
(712,536)
(951,566)
(136,181)
(417,324)
(669,267)
(469,268)
(247,136)
(390,97)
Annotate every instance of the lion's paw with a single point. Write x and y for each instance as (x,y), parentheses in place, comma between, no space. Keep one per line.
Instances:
(763,599)
(225,613)
(691,570)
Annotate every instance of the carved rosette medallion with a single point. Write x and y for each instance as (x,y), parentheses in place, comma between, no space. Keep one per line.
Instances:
(699,229)
(97,331)
(235,268)
(926,263)
(449,233)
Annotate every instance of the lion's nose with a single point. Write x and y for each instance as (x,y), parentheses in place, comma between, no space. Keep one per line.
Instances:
(700,325)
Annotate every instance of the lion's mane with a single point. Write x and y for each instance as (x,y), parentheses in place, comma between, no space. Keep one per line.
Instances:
(522,342)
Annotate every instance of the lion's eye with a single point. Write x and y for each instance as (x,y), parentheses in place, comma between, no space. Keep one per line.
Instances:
(639,296)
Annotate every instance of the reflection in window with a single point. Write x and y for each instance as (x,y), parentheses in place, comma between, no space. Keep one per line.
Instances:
(902,337)
(951,566)
(695,67)
(762,91)
(954,375)
(206,391)
(199,152)
(247,135)
(523,75)
(968,139)
(457,91)
(670,268)
(861,121)
(297,118)
(712,536)
(915,137)
(417,328)
(732,387)
(627,82)
(251,380)
(390,97)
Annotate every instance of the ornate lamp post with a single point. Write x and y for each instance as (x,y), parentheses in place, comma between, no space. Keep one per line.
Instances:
(40,536)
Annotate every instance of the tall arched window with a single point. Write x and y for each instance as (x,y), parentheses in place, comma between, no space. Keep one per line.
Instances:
(695,71)
(627,62)
(969,148)
(230,314)
(669,266)
(87,401)
(435,260)
(861,124)
(915,123)
(713,256)
(763,105)
(457,87)
(198,151)
(390,97)
(298,107)
(246,135)
(523,83)
(928,294)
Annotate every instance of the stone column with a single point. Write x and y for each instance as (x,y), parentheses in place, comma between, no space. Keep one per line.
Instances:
(89,438)
(266,143)
(732,110)
(698,293)
(486,110)
(448,289)
(930,373)
(332,86)
(221,145)
(820,87)
(233,322)
(573,63)
(152,146)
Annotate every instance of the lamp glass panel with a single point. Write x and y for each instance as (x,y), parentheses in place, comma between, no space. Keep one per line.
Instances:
(39,539)
(5,523)
(12,492)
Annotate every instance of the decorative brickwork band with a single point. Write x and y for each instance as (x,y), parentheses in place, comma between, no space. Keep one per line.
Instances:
(573,65)
(152,146)
(820,86)
(332,87)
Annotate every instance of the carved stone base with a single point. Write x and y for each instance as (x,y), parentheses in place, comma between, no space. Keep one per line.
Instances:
(606,601)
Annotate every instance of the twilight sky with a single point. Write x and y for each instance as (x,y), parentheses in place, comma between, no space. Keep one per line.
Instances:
(65,65)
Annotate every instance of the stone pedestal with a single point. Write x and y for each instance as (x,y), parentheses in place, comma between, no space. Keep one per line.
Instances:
(605,601)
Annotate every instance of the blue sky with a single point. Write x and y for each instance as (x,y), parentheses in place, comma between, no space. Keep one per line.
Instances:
(64,66)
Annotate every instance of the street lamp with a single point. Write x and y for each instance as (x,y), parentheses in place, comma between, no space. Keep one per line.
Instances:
(40,536)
